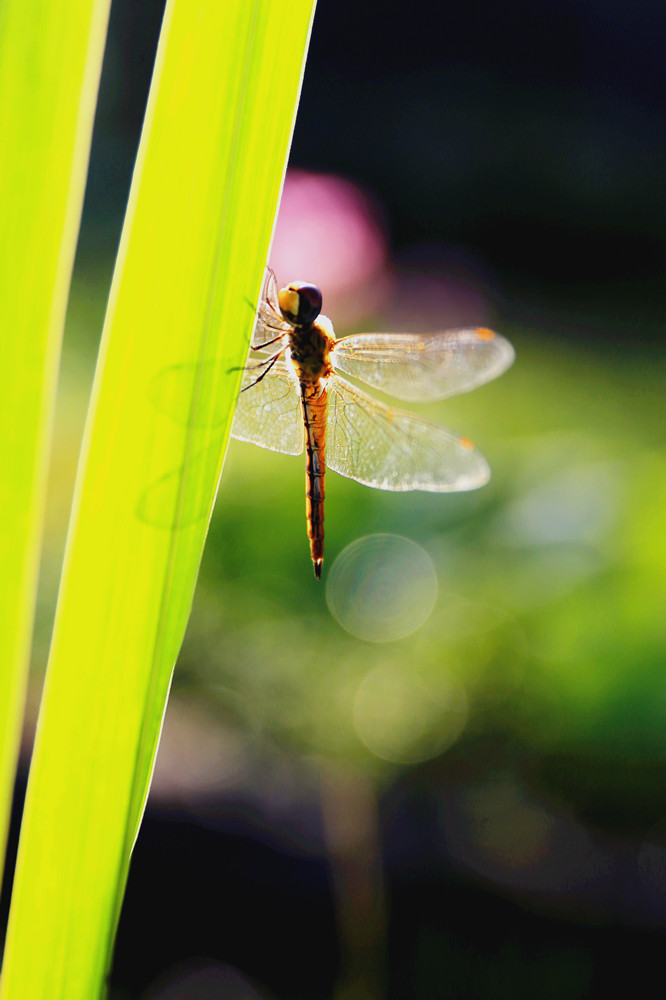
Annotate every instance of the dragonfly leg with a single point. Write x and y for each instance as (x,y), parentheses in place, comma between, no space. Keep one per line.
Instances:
(267,343)
(260,364)
(270,362)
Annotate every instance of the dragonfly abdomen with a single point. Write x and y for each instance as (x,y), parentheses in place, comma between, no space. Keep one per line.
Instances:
(314,416)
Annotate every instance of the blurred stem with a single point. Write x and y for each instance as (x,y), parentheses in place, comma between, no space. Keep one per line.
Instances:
(351,829)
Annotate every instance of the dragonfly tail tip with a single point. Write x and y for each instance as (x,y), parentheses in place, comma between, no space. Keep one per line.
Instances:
(317,567)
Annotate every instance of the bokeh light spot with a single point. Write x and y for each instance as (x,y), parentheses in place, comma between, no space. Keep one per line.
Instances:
(576,504)
(405,718)
(382,587)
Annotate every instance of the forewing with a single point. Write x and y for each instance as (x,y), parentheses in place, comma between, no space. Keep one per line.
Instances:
(268,412)
(393,450)
(420,367)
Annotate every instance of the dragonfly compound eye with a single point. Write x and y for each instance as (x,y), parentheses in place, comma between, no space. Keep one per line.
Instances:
(300,302)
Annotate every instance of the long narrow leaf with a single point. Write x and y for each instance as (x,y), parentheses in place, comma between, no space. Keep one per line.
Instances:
(196,237)
(50,62)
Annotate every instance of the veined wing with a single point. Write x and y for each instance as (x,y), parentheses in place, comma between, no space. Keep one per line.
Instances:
(269,323)
(393,450)
(268,412)
(420,367)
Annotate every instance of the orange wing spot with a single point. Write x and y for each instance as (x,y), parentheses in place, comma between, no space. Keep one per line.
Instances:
(484,334)
(466,443)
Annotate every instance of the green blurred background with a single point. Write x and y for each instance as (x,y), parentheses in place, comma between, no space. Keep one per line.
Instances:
(475,809)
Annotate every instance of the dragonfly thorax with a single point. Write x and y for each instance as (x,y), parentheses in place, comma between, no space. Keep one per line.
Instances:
(310,349)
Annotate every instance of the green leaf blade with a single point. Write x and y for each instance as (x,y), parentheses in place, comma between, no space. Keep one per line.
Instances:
(50,63)
(195,241)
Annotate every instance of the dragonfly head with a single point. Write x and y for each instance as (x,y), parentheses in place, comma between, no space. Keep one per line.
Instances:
(300,303)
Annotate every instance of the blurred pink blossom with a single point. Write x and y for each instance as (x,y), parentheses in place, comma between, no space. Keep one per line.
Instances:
(330,232)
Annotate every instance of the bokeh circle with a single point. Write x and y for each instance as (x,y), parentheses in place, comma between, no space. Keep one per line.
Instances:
(406,718)
(382,587)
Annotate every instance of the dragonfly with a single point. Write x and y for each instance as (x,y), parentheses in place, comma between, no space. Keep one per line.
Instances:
(293,397)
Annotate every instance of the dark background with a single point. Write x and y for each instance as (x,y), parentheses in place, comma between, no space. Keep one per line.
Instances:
(531,134)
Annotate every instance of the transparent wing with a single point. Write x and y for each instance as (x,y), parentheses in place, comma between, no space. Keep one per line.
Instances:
(393,450)
(420,367)
(268,412)
(270,323)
